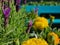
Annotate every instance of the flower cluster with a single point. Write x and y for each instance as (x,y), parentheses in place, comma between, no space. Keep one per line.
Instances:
(35,41)
(54,36)
(6,11)
(25,28)
(40,23)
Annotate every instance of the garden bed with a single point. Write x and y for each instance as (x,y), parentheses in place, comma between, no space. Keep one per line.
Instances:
(19,27)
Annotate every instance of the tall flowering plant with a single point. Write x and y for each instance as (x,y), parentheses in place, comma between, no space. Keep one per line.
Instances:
(29,26)
(17,5)
(25,1)
(38,30)
(6,13)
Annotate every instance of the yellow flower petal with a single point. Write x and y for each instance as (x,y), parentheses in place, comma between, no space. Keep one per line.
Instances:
(40,23)
(35,41)
(56,38)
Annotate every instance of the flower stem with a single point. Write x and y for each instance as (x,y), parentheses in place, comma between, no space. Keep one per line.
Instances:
(16,42)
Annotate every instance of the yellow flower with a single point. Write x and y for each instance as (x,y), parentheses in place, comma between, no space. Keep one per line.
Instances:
(59,40)
(35,41)
(40,23)
(56,38)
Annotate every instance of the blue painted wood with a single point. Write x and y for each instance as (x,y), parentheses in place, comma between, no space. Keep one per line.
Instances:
(45,9)
(55,21)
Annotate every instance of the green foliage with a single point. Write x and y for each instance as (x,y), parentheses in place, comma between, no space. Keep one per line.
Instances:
(16,25)
(15,32)
(51,3)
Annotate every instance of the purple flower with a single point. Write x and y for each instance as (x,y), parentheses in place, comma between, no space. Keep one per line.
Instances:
(36,10)
(18,2)
(24,1)
(29,26)
(18,5)
(2,0)
(6,11)
(30,23)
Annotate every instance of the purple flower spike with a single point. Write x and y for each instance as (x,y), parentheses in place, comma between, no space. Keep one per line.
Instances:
(2,0)
(24,1)
(18,5)
(18,2)
(29,26)
(6,11)
(36,10)
(30,23)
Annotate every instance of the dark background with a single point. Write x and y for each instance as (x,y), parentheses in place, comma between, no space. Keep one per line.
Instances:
(57,16)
